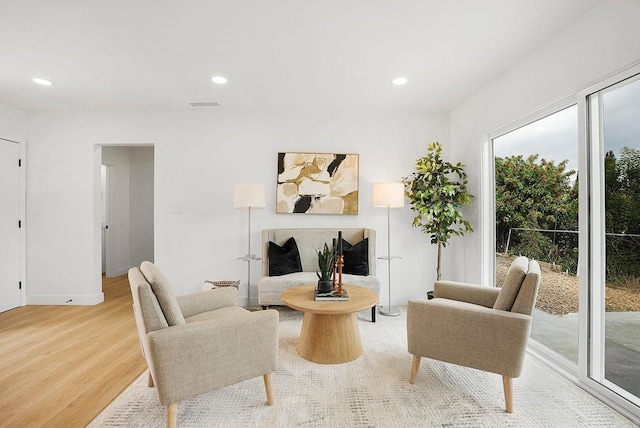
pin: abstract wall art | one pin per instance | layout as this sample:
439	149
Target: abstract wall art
317	183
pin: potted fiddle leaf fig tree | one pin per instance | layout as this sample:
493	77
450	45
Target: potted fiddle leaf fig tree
326	257
437	191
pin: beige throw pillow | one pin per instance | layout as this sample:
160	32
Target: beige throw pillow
164	293
511	286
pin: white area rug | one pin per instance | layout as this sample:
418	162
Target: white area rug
373	391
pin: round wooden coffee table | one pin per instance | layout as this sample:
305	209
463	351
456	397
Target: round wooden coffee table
330	333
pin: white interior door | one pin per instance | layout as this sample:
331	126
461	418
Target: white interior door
9	230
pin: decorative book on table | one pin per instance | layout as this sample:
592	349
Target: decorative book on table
332	295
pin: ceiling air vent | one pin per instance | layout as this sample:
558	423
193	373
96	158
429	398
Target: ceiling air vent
205	104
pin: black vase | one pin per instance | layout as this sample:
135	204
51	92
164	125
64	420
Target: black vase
325	286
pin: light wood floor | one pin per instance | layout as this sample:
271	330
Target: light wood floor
60	366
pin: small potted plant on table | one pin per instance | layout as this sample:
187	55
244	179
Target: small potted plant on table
326	257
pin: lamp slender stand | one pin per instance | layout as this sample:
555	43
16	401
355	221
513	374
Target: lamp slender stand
389	195
389	311
249	258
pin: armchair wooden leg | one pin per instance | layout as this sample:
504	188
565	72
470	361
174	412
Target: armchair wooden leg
373	313
507	383
151	384
172	415
414	368
269	388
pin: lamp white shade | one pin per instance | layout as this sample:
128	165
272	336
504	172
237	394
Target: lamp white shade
388	195
248	196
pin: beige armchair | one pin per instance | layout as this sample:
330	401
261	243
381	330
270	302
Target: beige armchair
485	328
199	342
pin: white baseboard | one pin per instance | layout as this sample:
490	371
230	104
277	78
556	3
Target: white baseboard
56	299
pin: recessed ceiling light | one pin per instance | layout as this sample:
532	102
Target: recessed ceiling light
219	80
43	82
399	81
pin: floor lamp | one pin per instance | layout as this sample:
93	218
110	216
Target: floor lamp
389	195
245	197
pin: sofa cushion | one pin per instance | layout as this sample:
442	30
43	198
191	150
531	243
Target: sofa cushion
515	275
285	259
356	257
164	293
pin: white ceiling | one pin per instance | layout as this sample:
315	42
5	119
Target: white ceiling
160	54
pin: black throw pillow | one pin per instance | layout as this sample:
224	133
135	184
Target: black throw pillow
285	259
356	257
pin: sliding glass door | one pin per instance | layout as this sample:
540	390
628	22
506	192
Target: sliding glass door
566	191
613	267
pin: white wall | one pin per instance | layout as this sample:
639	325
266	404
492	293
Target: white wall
13	124
199	156
603	41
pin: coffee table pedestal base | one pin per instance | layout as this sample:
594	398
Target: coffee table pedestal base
330	339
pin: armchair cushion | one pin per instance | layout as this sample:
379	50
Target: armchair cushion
149	316
204	301
284	260
164	293
356	257
150	309
526	300
229	312
463	292
512	283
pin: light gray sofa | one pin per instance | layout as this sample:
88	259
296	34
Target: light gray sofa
270	288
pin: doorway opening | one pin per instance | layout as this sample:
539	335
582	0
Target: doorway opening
126	210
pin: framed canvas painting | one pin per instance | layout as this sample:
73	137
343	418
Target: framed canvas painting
317	183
